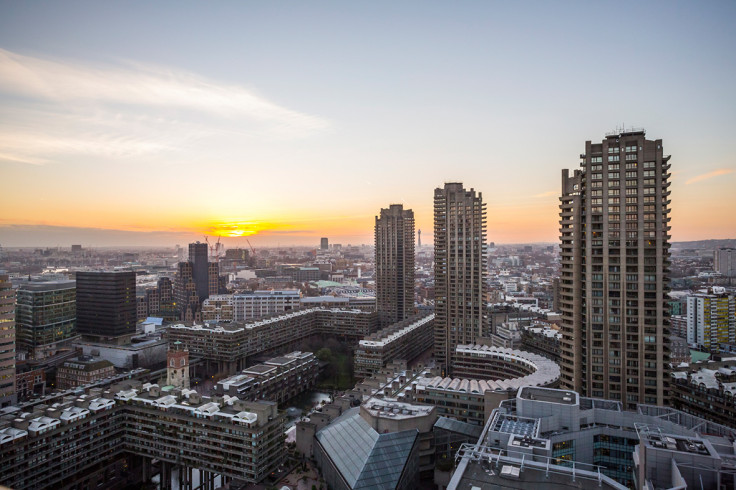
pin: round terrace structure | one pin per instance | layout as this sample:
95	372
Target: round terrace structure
507	368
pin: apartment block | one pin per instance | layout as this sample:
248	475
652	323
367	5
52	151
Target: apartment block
404	340
394	269
460	270
725	261
711	319
226	347
218	308
707	390
277	379
83	434
7	342
614	225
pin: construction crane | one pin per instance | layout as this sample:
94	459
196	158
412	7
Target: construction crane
214	249
252	250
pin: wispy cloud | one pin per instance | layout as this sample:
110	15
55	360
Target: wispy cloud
710	175
547	194
57	108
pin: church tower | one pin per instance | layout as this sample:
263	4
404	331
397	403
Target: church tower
177	365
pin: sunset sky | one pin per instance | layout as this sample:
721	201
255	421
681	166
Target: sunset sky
141	123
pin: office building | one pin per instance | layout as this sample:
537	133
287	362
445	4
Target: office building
548	438
7	342
106	304
614	224
198	256
324	243
725	261
45	317
251	305
459	271
711	319
394	269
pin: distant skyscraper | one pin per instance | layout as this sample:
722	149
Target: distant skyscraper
324	244
200	269
419	238
459	269
7	342
614	221
725	261
106	304
394	233
46	317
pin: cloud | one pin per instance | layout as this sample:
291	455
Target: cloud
547	194
709	175
51	109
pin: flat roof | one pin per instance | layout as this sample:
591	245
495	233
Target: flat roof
562	397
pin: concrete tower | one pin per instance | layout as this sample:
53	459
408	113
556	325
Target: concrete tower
394	233
614	224
459	269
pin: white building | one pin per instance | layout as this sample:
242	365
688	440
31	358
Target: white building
257	304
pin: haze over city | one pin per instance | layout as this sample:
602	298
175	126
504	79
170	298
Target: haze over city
153	124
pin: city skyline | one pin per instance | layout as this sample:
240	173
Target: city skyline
277	125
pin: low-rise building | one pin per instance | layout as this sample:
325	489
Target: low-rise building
251	305
82	371
707	390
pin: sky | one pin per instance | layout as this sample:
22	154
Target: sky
156	123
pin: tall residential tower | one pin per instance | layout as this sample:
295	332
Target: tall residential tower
615	271
459	270
7	342
394	234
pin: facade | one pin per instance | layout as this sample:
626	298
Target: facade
394	266
324	243
82	371
707	390
177	366
199	258
460	269
195	281
140	423
7	342
45	317
106	304
557	439
30	383
614	223
218	308
711	320
404	340
278	379
225	348
258	304
725	261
